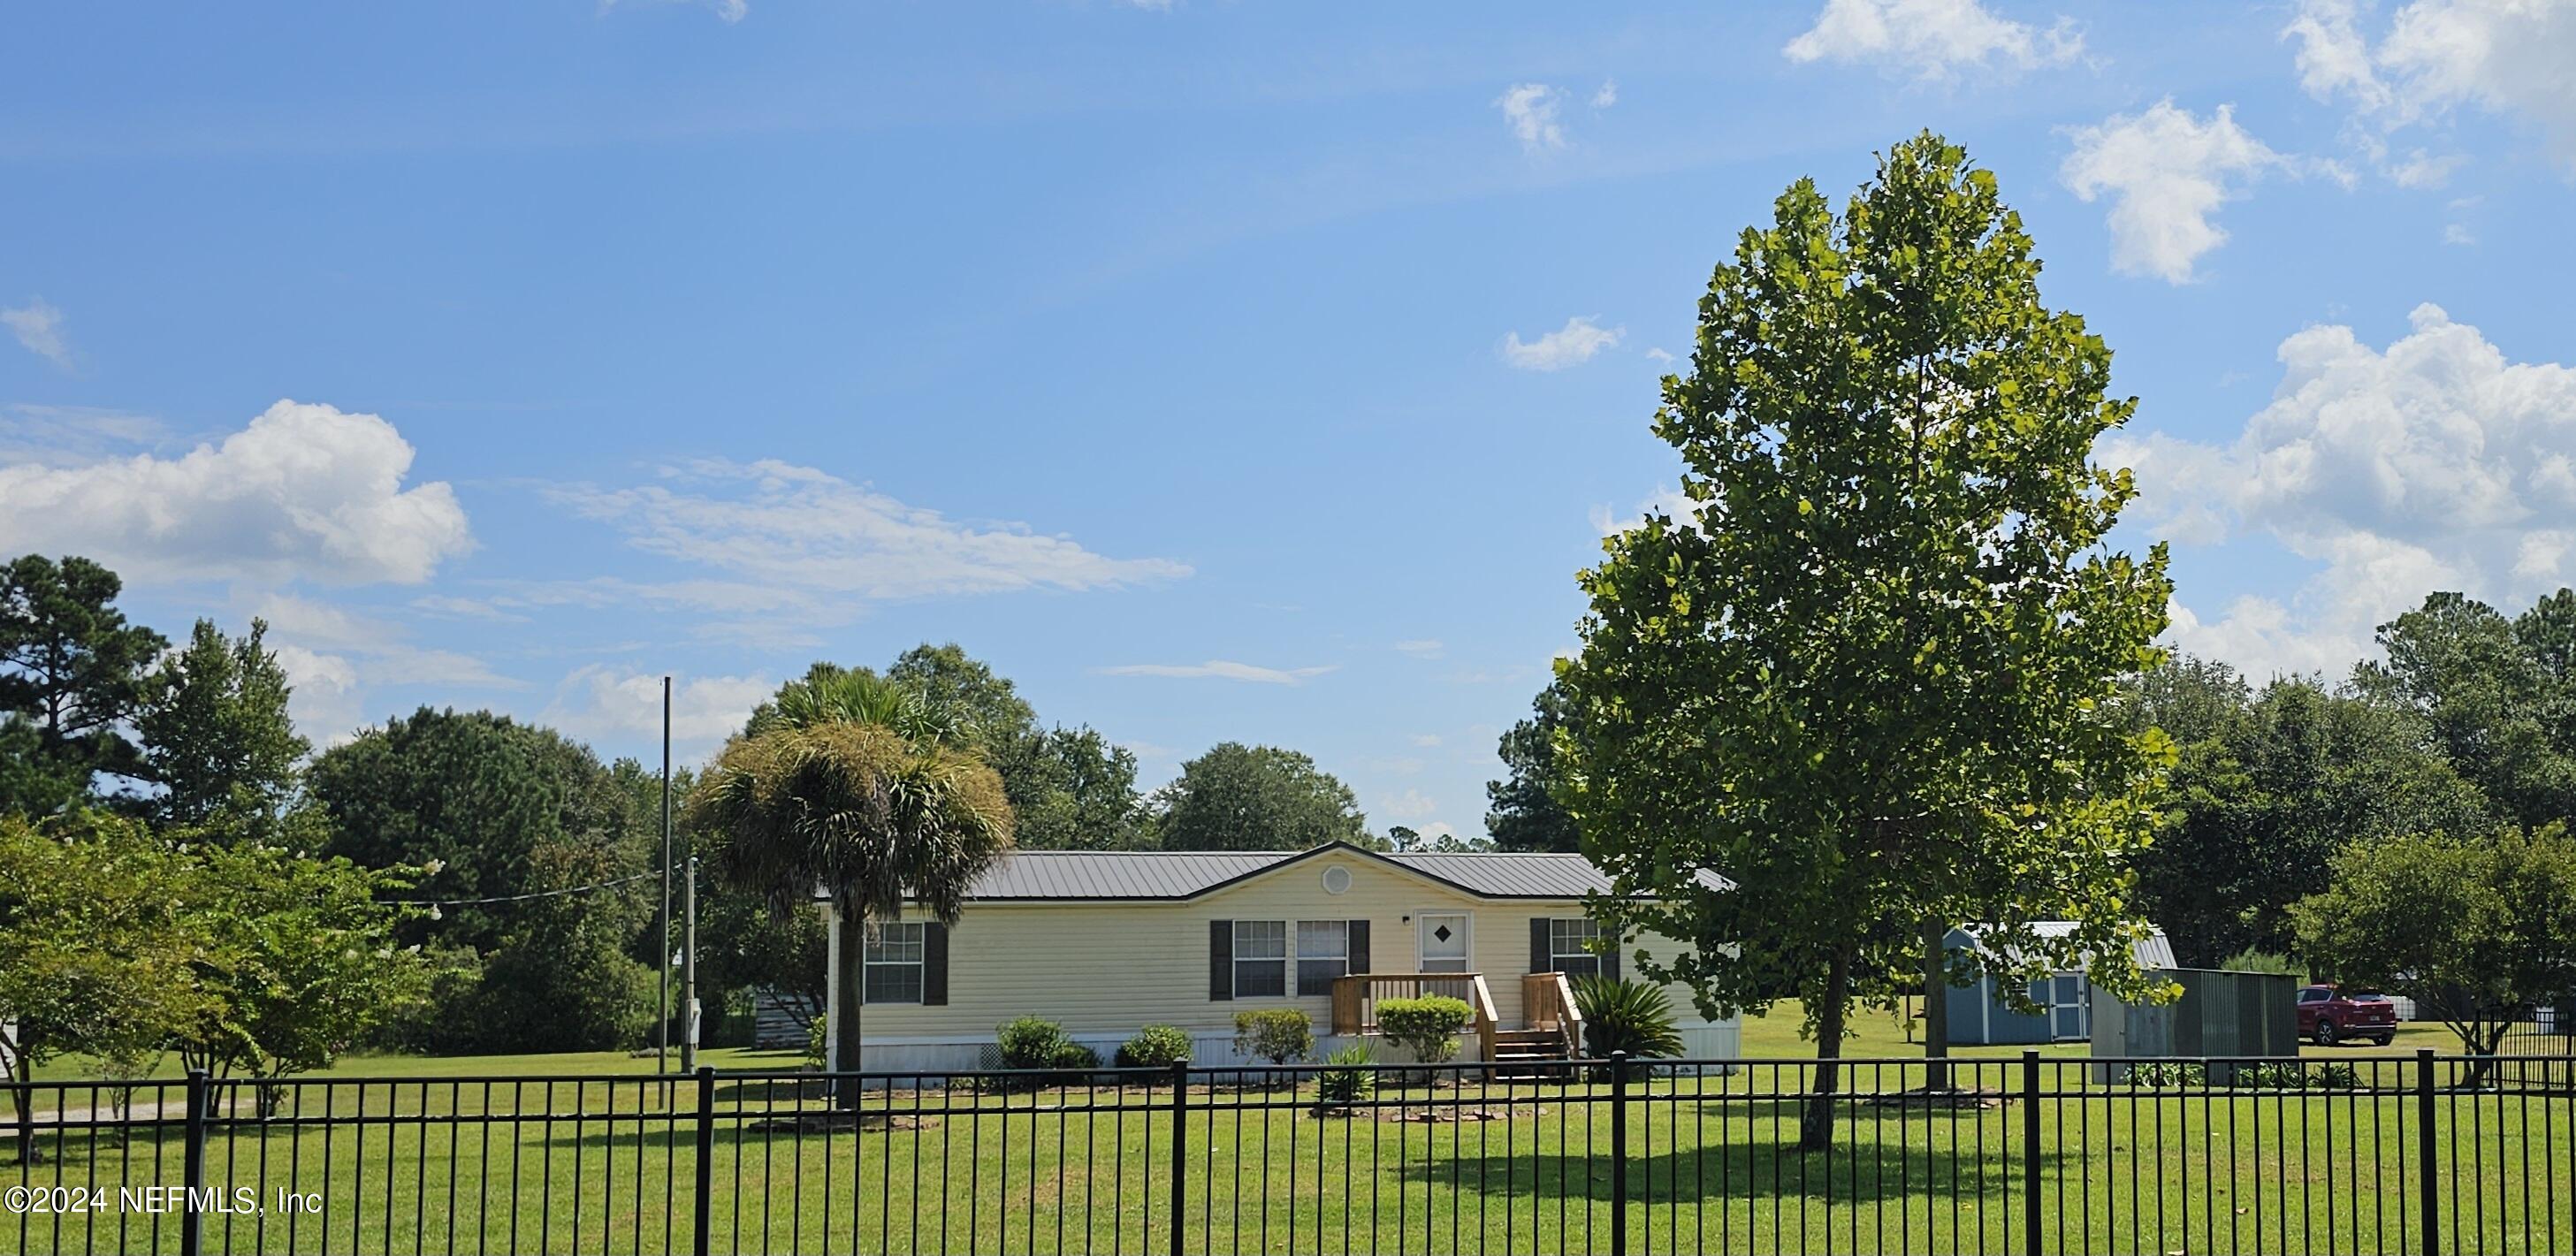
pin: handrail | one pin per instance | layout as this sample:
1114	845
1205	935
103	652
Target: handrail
1570	1023
1488	1020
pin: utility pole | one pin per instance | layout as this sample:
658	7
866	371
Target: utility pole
689	969
662	916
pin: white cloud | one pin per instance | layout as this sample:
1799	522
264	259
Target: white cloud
384	657
1409	805
2459	234
1530	110
62	436
2506	57
2434	464
1426	739
1425	648
1570	345
39	329
1219	669
305	491
2166	172
727	11
467	608
792	536
601	702
1606	95
1933	39
1671	502
323	698
1660	356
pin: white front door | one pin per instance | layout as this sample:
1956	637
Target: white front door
1447	942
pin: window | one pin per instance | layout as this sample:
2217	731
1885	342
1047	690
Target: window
1569	947
1323	953
892	962
1260	958
2312	996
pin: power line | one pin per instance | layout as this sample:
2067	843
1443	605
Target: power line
521	898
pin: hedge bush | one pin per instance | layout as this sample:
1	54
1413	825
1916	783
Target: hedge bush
1279	1034
1428	1026
1155	1046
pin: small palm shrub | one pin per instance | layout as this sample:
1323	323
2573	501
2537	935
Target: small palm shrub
1279	1034
1427	1026
1155	1046
1349	1080
1631	1016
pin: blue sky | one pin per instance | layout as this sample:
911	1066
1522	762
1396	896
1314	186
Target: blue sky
1216	370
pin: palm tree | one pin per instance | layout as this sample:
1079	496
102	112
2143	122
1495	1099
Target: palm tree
851	783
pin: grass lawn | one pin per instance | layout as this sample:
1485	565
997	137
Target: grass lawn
608	1164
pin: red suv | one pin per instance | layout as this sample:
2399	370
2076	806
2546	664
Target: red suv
2329	1016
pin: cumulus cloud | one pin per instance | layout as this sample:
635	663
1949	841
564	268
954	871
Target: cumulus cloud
1931	39
1670	502
2432	464
2166	173
1219	669
305	491
1530	111
783	534
2505	57
39	329
602	702
1570	345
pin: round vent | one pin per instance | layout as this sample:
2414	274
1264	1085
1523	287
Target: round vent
1336	880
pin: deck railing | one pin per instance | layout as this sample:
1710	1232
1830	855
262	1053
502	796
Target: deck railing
1355	1000
1547	1002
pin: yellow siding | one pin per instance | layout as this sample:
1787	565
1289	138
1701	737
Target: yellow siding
1104	968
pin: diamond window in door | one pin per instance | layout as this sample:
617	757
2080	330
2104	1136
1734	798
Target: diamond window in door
1445	943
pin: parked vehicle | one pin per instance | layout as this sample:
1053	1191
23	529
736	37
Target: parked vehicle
2328	1015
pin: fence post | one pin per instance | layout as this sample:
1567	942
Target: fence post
1180	1146
192	1220
2031	1229
2428	1194
704	1236
1618	1153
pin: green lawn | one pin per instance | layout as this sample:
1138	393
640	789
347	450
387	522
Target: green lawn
602	1165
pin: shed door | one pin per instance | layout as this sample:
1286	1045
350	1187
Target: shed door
2066	999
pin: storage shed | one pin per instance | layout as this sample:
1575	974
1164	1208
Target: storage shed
2221	1013
1980	1016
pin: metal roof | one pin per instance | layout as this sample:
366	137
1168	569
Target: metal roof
1076	875
2152	951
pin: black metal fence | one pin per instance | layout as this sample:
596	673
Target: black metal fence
2055	1154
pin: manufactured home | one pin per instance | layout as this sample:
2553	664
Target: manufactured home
1105	943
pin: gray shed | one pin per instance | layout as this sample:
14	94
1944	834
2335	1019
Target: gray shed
2221	1013
1979	1015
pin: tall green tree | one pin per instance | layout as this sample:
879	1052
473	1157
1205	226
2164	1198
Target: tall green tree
72	675
215	731
98	951
1866	678
1522	811
1239	797
2477	929
506	811
2267	789
2499	713
299	964
853	783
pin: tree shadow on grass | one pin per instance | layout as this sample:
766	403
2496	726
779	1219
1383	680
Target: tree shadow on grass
1760	1169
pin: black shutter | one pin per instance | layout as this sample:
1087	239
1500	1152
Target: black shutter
1610	958
1359	947
1542	957
1221	960
934	964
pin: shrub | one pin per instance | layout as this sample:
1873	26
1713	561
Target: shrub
1427	1026
1155	1046
1074	1059
2250	960
1279	1035
818	1039
1631	1016
1349	1079
1031	1042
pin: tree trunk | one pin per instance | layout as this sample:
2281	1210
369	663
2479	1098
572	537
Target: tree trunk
848	952
22	1088
1816	1121
1936	1006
